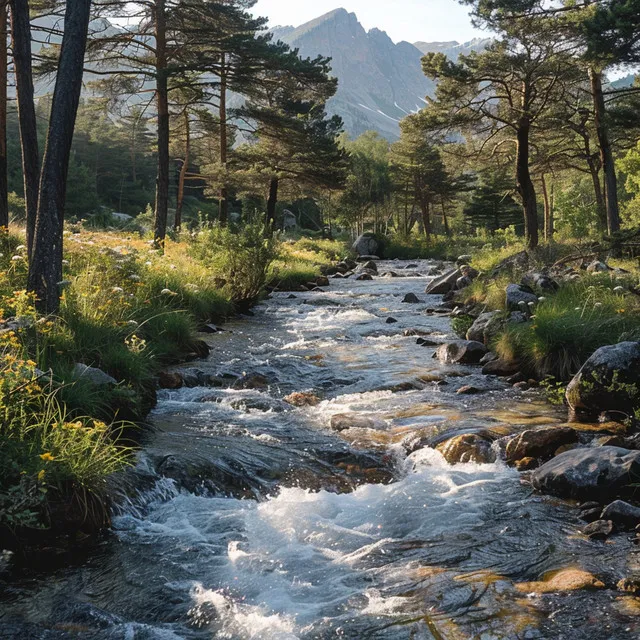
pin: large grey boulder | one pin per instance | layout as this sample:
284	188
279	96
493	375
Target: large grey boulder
608	381
518	294
600	473
93	375
540	281
485	327
368	245
444	283
461	352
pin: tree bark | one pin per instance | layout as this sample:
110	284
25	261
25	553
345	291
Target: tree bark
183	172
4	186
525	185
271	205
445	220
223	204
608	163
162	100
548	210
22	63
45	268
426	218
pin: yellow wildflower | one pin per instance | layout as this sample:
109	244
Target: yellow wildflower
41	475
47	457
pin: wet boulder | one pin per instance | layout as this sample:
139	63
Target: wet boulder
411	298
601	473
461	352
538	443
518	294
469	274
501	368
344	421
369	267
364	276
302	399
469	447
598	530
369	245
444	283
168	380
622	514
322	281
608	381
252	381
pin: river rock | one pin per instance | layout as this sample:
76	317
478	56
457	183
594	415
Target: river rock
500	368
517	294
462	260
391	320
517	317
93	375
469	390
622	514
322	281
538	443
469	447
563	580
411	298
252	381
365	276
608	381
444	283
598	530
302	399
369	267
168	380
601	473
461	352
526	464
368	245
485	327
344	421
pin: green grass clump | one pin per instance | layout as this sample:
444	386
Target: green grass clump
569	326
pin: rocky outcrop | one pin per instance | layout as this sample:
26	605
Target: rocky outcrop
461	352
608	381
601	473
539	443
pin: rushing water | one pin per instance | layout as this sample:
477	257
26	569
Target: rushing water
253	520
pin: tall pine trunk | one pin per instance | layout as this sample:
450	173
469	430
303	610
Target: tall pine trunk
426	217
22	64
608	163
4	186
525	184
548	210
224	194
183	172
162	100
445	220
270	221
45	268
601	205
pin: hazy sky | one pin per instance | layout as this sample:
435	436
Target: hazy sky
412	20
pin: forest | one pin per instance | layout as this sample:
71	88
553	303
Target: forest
168	167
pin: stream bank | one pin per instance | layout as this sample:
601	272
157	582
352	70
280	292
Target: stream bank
255	519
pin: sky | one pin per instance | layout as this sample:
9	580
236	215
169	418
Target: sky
411	20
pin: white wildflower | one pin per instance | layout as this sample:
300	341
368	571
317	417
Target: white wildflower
168	292
134	278
16	258
117	290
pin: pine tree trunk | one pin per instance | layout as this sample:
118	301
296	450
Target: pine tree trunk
548	213
270	222
426	218
45	268
224	195
601	205
4	186
183	172
445	220
22	63
608	163
525	185
162	99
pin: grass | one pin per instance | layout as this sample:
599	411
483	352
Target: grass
570	325
128	310
303	261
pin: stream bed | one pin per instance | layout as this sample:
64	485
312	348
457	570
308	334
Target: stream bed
247	518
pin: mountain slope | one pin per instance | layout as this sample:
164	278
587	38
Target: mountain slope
380	82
